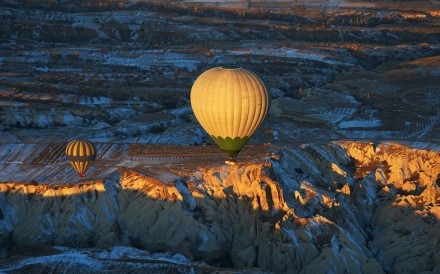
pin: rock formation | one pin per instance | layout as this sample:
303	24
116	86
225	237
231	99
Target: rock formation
332	208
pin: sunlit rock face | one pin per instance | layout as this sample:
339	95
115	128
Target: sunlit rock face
405	224
332	208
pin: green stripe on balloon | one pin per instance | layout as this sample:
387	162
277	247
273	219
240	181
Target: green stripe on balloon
229	145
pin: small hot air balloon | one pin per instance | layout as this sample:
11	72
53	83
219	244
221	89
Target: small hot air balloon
230	104
80	154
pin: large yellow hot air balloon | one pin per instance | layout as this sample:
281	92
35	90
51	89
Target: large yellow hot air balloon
230	104
80	154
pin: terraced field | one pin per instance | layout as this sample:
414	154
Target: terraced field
124	75
46	163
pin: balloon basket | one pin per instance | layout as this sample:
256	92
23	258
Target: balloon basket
230	162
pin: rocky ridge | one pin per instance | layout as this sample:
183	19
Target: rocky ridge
343	206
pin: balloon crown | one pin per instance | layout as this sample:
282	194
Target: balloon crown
230	67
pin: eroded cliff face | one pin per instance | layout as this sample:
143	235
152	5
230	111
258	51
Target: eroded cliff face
405	224
340	207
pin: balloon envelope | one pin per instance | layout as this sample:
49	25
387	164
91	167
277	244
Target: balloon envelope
230	104
80	154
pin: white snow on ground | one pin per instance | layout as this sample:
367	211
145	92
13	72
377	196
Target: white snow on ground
148	59
26	59
44	120
190	65
72	258
89	25
360	123
329	117
126	252
121	113
47	69
101	259
69	119
189	200
86	25
288	53
95	100
281	52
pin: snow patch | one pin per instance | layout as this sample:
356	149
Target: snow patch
121	113
188	199
69	119
95	100
44	121
360	123
127	252
75	258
